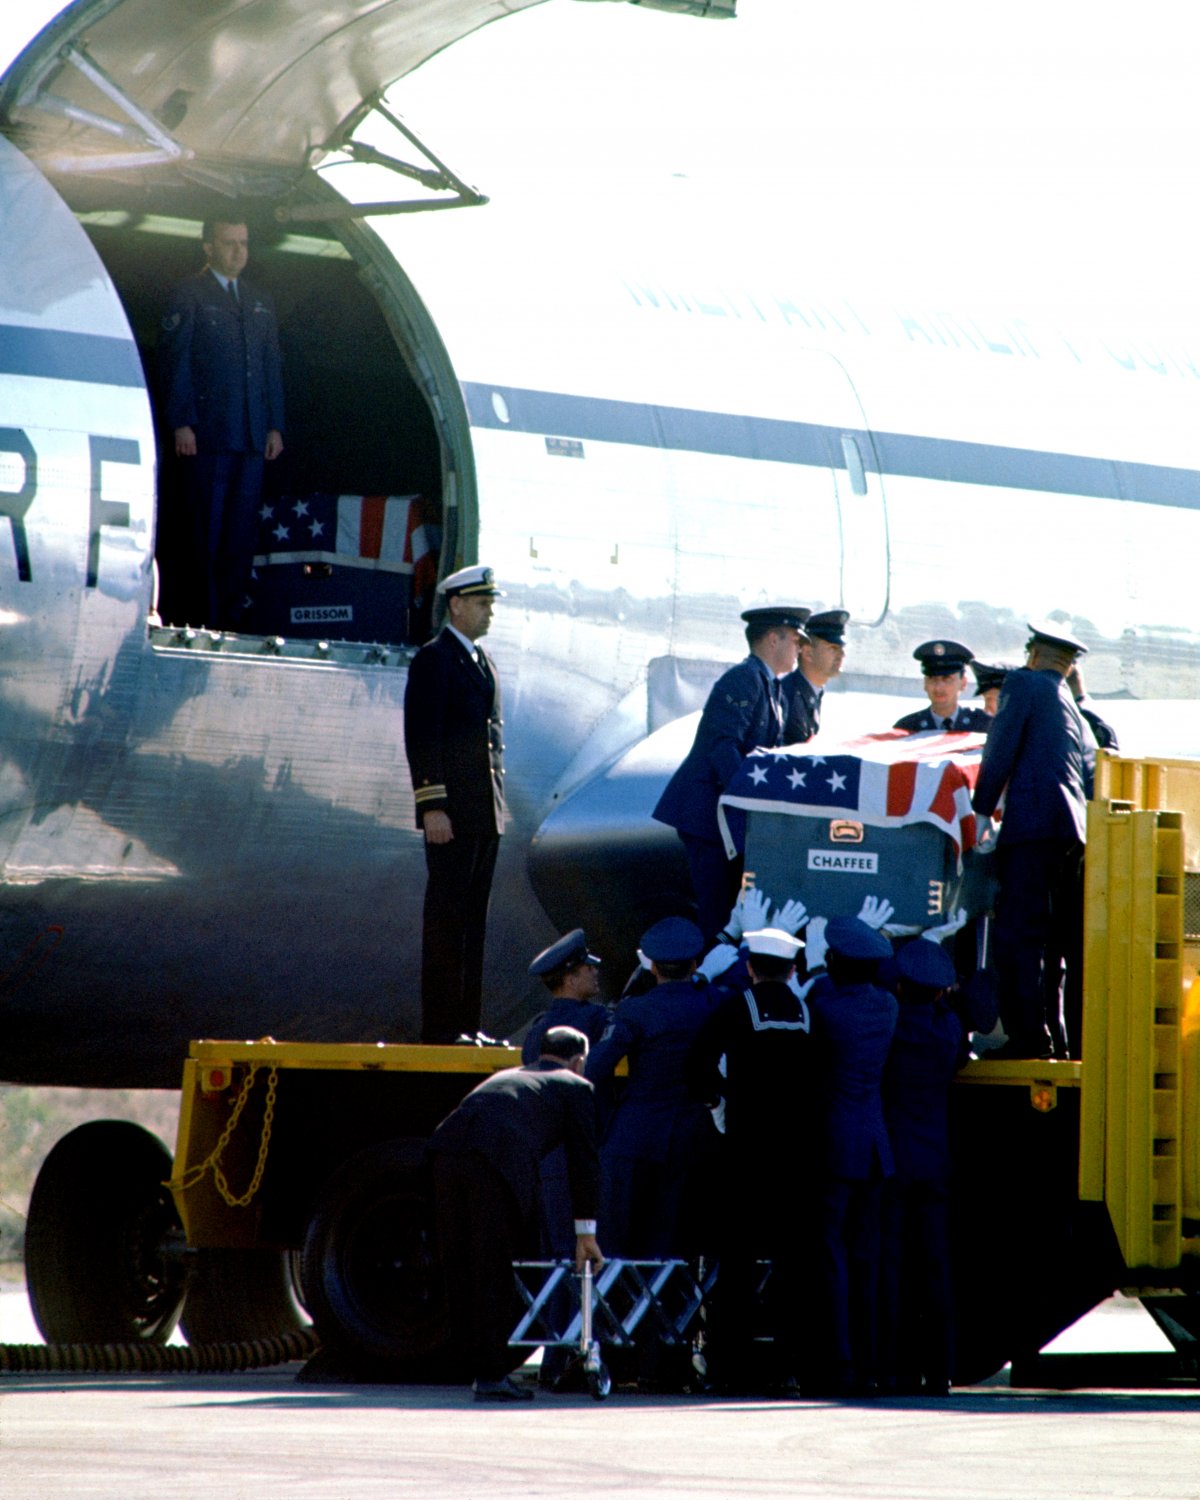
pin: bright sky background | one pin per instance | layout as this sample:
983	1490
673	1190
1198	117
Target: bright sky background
1031	152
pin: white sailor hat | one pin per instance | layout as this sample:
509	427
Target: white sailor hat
1055	635
473	580
772	942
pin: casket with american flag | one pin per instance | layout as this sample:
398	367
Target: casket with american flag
885	815
346	567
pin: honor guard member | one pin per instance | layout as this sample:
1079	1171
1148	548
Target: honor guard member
852	1025
571	974
754	1051
822	653
1105	736
223	395
658	1140
944	672
452	736
1039	755
928	1048
988	681
745	710
485	1159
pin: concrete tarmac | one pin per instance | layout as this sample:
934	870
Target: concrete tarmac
260	1436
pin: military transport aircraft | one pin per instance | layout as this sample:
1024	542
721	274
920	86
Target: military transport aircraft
208	832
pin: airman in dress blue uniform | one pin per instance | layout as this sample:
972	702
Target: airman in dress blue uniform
822	653
944	672
223	388
656	1144
745	710
1039	756
928	1048
989	679
853	1022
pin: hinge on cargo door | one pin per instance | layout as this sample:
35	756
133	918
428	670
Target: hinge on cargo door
150	140
436	177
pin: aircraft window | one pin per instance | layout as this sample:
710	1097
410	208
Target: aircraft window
854	464
500	407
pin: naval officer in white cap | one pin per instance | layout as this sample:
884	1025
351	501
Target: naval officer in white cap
454	742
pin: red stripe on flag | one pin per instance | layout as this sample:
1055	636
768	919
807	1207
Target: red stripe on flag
370	526
901	784
942	805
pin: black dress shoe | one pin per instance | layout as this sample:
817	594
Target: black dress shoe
501	1390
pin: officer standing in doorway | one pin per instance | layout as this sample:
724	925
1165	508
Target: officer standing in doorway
944	672
745	710
223	387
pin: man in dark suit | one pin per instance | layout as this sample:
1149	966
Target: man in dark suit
223	388
944	672
745	710
822	653
453	739
485	1158
1039	756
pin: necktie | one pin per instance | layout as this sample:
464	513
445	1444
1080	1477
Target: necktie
233	293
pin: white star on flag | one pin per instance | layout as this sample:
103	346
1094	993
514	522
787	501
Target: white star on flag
301	507
836	782
796	778
281	533
758	775
266	513
317	528
817	760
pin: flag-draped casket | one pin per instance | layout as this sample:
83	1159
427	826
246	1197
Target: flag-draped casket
345	567
885	815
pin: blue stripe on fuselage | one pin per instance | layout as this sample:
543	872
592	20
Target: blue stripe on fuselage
52	354
945	459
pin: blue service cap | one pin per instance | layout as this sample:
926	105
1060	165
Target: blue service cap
852	938
1055	635
927	964
672	941
943	658
772	615
473	580
989	675
829	625
567	953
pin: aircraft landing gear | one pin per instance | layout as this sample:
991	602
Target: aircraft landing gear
100	1221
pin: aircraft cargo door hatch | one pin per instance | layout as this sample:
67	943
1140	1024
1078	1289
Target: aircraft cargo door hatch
829	409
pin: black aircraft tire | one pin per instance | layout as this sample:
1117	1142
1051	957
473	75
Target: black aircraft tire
370	1267
99	1216
238	1295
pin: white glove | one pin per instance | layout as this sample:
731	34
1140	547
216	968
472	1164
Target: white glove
720	957
815	946
749	913
939	934
875	911
644	961
718	1115
791	916
986	834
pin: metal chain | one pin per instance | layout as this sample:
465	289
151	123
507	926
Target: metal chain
212	1162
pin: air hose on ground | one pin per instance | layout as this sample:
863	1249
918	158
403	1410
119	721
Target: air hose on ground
175	1359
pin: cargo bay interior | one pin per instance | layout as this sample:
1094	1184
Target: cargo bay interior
352	521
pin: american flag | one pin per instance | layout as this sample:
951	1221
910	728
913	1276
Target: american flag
392	533
886	780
